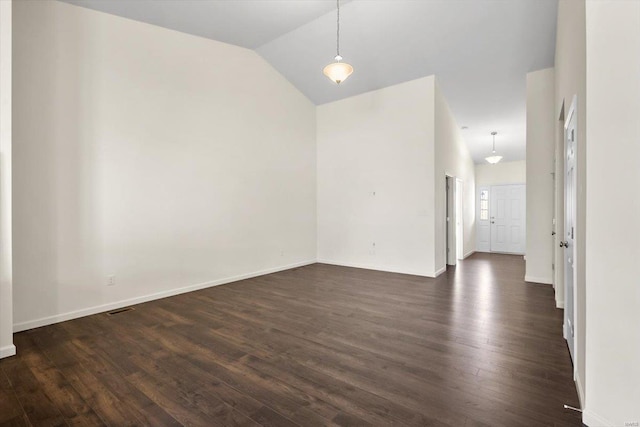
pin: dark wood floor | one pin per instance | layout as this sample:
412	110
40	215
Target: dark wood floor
318	345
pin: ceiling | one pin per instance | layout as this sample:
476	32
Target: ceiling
480	50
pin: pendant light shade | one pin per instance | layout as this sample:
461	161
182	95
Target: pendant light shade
338	71
493	159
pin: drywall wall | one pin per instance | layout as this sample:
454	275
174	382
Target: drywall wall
6	307
376	179
570	76
451	158
382	161
501	173
612	226
169	161
540	169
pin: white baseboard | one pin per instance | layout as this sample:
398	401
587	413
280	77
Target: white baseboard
440	271
594	420
7	350
468	254
44	321
543	280
375	267
580	389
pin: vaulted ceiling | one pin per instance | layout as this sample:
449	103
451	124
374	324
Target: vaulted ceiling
480	50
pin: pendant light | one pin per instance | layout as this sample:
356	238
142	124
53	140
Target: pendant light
338	71
493	159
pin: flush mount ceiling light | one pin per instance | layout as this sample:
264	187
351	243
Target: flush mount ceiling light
493	159
338	71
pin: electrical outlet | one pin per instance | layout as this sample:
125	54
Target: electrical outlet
281	253
111	280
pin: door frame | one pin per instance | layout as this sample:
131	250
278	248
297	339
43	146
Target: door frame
558	213
459	192
450	220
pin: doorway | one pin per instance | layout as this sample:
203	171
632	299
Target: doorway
450	221
501	219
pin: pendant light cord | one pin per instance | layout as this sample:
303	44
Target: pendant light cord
337	71
338	30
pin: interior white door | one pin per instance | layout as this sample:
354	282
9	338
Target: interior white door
507	215
569	236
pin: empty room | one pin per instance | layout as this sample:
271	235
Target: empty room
319	212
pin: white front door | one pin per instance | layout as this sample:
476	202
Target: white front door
569	230
507	218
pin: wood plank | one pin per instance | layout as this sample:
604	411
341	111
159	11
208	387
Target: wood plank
10	409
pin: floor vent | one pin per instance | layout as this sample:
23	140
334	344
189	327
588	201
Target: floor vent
121	310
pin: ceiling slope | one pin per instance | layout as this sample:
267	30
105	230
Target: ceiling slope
480	51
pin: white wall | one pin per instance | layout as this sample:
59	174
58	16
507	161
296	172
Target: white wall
376	177
451	158
167	160
613	210
541	128
570	76
501	173
382	159
6	307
